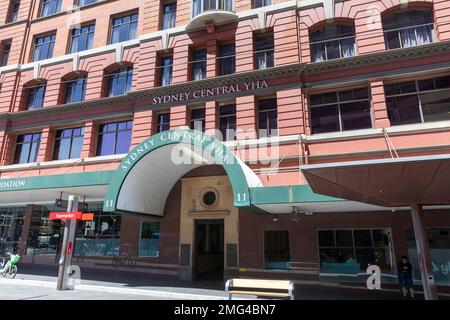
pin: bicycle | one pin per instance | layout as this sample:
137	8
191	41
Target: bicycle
9	268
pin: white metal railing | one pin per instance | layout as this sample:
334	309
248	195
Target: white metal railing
201	6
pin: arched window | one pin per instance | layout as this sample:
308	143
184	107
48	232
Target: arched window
34	95
408	28
120	81
75	89
332	41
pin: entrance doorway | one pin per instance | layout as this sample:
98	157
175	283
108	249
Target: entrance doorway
209	250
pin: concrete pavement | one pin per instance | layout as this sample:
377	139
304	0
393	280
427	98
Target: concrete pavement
119	283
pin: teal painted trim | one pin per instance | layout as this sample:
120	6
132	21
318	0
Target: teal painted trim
207	143
57	181
287	194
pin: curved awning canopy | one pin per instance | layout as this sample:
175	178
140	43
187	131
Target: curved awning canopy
385	182
144	178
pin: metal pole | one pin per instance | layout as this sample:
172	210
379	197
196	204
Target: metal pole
423	253
69	235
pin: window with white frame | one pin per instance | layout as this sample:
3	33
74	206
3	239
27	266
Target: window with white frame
418	101
332	41
408	28
340	111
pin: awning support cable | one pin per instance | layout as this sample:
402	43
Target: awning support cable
390	145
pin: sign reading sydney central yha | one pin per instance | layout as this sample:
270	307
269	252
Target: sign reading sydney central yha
211	92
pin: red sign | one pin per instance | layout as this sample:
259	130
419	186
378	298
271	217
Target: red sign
69	248
65	215
87	217
71	216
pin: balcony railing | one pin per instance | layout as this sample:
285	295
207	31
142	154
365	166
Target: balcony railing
201	6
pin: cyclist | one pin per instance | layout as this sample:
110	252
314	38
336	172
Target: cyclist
13	259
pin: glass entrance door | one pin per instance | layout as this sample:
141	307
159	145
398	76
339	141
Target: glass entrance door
209	250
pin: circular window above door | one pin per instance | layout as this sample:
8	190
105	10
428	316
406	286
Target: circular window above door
209	198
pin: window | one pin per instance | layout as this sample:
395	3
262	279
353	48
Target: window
200	6
408	28
76	90
120	82
169	15
198	64
340	111
227	121
27	148
264	52
43	47
227	59
35	98
100	237
198	119
50	7
82	3
267	118
13	11
332	42
350	251
276	249
6	48
124	28
68	143
163	122
165	70
261	3
114	138
418	101
44	236
149	239
82	38
12	224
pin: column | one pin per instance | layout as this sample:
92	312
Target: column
379	108
45	147
146	67
244	50
90	136
143	126
290	112
178	117
180	64
211	116
286	38
423	253
8	151
246	117
211	58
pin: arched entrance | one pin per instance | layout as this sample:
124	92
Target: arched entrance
209	205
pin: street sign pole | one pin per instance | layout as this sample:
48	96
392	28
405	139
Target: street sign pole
67	245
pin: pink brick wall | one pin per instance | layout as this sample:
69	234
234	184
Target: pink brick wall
144	125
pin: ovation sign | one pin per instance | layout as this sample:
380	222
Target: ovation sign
210	92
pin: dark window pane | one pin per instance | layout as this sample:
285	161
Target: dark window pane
363	238
436	105
403	110
344	238
356	115
276	249
324	119
326	238
149	239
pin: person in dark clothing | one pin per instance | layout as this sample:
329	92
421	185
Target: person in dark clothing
404	269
